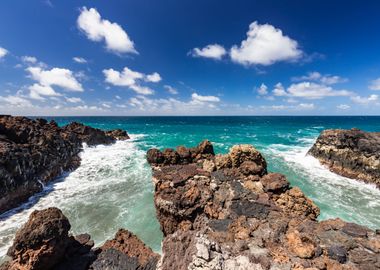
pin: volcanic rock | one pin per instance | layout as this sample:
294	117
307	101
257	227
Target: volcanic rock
351	153
33	152
227	212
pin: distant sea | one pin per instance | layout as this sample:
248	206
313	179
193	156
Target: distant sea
112	188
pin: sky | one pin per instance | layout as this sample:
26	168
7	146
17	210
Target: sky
189	57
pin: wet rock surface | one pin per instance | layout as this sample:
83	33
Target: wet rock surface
228	212
44	243
351	153
33	152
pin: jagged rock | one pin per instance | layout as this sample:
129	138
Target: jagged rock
351	153
33	152
127	243
41	243
233	216
181	155
118	134
44	243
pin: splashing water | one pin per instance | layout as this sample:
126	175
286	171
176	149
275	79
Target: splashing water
111	189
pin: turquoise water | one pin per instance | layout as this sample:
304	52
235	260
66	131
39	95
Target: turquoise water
112	188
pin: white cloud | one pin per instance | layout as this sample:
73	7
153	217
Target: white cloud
279	90
312	90
3	52
154	77
198	98
262	90
171	89
16	101
117	97
74	99
214	51
375	84
37	91
131	79
57	76
365	100
79	60
98	29
324	79
265	45
29	59
343	107
299	107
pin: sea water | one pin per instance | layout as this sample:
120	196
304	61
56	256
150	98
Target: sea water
112	188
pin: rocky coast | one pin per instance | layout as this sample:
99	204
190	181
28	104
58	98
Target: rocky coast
34	152
351	153
216	212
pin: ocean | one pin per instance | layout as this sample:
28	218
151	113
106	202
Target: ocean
112	188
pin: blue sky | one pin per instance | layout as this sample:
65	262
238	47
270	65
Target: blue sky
196	57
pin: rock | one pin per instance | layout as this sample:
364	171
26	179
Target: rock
245	152
275	182
351	153
118	134
338	253
235	216
34	152
128	244
41	243
44	243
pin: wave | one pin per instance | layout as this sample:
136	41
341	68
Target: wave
337	196
111	189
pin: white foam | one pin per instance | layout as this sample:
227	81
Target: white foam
336	195
112	184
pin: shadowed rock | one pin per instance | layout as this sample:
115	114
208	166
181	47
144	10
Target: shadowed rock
350	153
33	152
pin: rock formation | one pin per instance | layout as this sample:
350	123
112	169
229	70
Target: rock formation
228	212
33	152
350	153
216	212
44	243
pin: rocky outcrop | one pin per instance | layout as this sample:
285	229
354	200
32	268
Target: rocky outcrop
93	136
228	212
33	152
350	153
44	243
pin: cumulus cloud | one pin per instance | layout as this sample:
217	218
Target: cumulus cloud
324	79
375	84
38	91
79	60
265	45
214	51
279	90
262	90
154	77
365	100
343	107
299	107
312	90
56	76
97	29
16	101
171	89
74	99
199	98
29	59
3	52
131	79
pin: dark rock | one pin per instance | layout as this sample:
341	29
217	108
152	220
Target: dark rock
114	260
355	230
338	253
250	209
351	153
